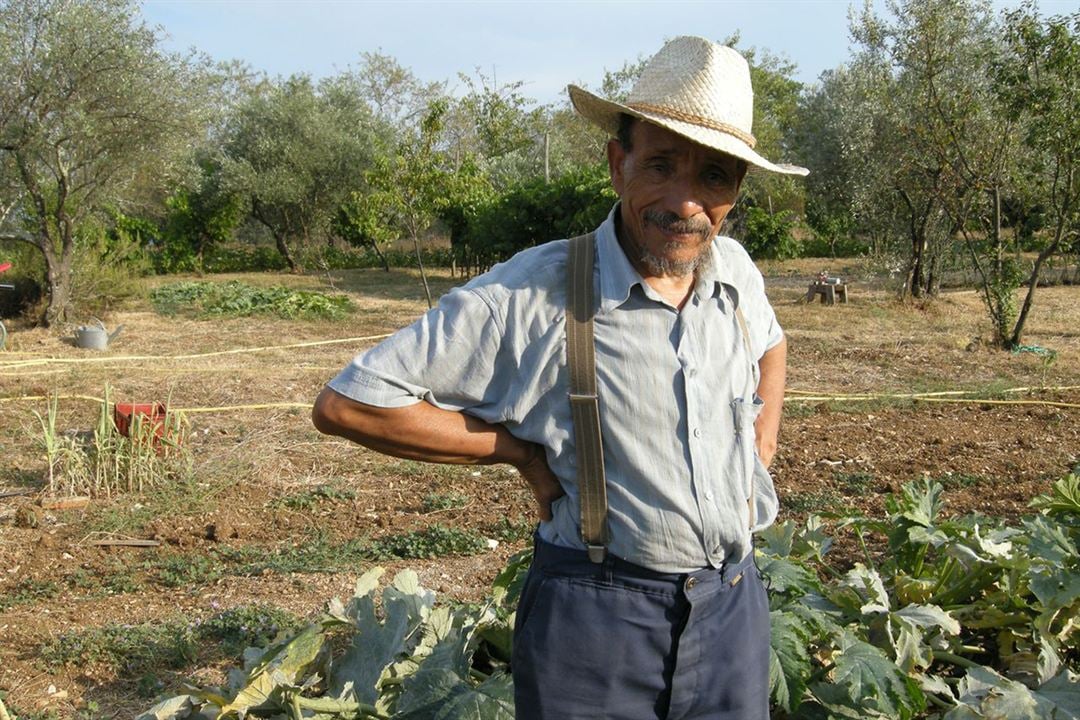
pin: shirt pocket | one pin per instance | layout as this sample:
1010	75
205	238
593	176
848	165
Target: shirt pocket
745	412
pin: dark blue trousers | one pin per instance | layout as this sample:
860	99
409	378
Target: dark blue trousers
616	640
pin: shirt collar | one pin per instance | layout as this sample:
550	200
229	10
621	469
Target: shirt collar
618	277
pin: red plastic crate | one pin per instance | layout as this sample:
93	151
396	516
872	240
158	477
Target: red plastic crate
153	413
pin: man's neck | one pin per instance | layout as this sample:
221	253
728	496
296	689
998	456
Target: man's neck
675	289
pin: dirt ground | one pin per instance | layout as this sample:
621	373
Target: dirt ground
264	481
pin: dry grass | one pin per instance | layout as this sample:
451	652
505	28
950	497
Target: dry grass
247	458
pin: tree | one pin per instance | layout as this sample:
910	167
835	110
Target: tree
1037	82
295	151
89	102
404	186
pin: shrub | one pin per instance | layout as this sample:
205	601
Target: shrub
769	235
237	299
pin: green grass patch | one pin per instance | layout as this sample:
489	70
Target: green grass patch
815	502
239	299
181	497
135	650
436	501
855	483
309	499
185	570
115	580
146	654
28	591
957	481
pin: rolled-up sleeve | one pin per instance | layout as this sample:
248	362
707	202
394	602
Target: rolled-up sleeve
447	358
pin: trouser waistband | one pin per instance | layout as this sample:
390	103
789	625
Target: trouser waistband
559	560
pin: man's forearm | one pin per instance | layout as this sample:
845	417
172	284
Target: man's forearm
419	432
425	432
773	365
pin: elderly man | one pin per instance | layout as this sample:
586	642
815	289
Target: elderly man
635	378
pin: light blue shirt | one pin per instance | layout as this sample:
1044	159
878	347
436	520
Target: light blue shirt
676	389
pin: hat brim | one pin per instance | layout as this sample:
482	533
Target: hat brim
605	115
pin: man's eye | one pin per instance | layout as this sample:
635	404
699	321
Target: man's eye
717	177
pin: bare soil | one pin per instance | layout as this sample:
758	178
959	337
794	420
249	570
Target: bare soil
254	449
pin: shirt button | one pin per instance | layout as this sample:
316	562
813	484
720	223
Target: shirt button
697	432
691	582
708	496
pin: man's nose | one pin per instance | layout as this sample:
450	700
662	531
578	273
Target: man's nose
682	197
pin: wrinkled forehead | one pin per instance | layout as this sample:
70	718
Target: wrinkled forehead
650	139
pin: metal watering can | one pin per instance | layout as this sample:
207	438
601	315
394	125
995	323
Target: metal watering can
95	338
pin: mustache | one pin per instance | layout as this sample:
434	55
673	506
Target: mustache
670	222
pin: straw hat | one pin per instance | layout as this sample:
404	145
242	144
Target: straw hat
693	87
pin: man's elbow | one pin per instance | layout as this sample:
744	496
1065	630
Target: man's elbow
328	413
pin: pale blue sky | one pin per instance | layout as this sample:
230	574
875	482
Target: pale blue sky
545	44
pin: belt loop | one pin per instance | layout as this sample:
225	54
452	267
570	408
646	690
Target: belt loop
606	566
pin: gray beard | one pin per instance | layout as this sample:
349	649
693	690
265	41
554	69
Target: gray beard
665	267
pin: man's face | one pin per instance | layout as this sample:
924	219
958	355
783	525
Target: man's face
675	195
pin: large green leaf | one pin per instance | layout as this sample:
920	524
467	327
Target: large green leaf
1064	498
1064	692
789	660
375	645
442	694
786	577
868	585
865	680
993	697
1049	541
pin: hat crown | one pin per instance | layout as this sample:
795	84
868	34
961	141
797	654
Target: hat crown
692	75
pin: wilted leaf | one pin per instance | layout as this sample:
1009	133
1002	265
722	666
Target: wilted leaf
175	708
285	664
995	698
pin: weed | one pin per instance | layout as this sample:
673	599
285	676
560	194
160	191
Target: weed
431	542
308	499
108	463
27	591
811	501
433	502
133	649
956	481
184	496
855	483
116	580
178	570
507	530
247	625
237	299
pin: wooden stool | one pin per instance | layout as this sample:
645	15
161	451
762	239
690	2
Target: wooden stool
829	292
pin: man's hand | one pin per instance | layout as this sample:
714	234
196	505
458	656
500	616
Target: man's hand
770	388
545	487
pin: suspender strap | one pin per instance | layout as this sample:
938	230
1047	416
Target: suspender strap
584	403
754	372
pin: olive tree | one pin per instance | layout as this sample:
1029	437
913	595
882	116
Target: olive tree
89	104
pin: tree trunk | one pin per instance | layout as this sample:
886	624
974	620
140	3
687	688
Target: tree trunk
283	248
59	280
423	273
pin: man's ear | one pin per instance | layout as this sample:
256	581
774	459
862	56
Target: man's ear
616	154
